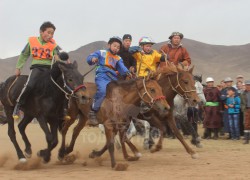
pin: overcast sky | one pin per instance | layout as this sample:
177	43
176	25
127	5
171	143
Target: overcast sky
79	22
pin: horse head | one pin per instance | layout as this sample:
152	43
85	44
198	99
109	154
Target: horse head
187	86
182	82
151	93
73	82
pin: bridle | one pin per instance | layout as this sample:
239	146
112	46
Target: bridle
152	100
184	94
71	92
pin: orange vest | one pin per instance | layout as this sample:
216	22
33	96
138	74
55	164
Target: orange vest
40	51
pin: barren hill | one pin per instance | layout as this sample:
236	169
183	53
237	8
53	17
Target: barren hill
210	60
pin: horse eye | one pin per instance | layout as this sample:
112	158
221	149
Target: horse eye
152	90
185	81
70	80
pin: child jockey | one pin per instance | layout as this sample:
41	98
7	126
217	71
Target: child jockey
42	49
108	63
146	57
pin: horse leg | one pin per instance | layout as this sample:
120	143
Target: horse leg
12	134
66	125
45	153
190	128
110	144
176	132
95	153
158	124
22	126
81	123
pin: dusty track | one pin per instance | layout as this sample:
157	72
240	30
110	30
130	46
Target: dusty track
221	159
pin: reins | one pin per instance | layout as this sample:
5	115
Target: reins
152	100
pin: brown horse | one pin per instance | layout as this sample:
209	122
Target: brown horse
120	103
173	81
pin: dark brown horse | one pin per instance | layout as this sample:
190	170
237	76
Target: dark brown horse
44	103
122	100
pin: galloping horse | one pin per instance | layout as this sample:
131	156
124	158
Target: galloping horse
173	81
122	100
183	113
44	103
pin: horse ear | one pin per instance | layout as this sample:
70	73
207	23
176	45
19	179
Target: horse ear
191	69
75	65
61	67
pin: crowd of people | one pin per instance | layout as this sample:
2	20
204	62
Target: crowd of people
227	109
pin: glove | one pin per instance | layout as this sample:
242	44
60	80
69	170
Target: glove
134	49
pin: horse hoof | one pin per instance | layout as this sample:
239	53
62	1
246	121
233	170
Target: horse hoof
121	167
60	158
22	160
195	156
92	155
199	145
39	154
138	154
132	158
27	155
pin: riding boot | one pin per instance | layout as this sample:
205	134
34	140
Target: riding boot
92	118
216	134
21	101
247	137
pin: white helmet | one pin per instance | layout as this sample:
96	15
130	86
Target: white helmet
146	40
209	79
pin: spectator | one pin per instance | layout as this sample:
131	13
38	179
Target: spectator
233	108
228	83
213	119
245	107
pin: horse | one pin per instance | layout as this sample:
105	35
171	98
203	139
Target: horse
182	112
186	115
45	103
173	81
121	102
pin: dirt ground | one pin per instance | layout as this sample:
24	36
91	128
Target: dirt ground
218	159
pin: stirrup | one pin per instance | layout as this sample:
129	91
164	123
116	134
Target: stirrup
66	117
92	118
16	111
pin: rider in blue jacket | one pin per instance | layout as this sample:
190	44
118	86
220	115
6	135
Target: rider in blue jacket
109	64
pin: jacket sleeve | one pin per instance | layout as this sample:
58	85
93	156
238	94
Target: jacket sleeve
134	49
121	68
237	103
96	54
186	56
23	56
242	102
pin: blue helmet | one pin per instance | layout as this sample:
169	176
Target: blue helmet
115	39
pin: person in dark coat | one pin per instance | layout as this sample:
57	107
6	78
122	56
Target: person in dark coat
245	107
213	118
127	57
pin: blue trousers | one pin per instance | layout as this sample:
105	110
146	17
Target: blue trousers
101	81
226	122
234	125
